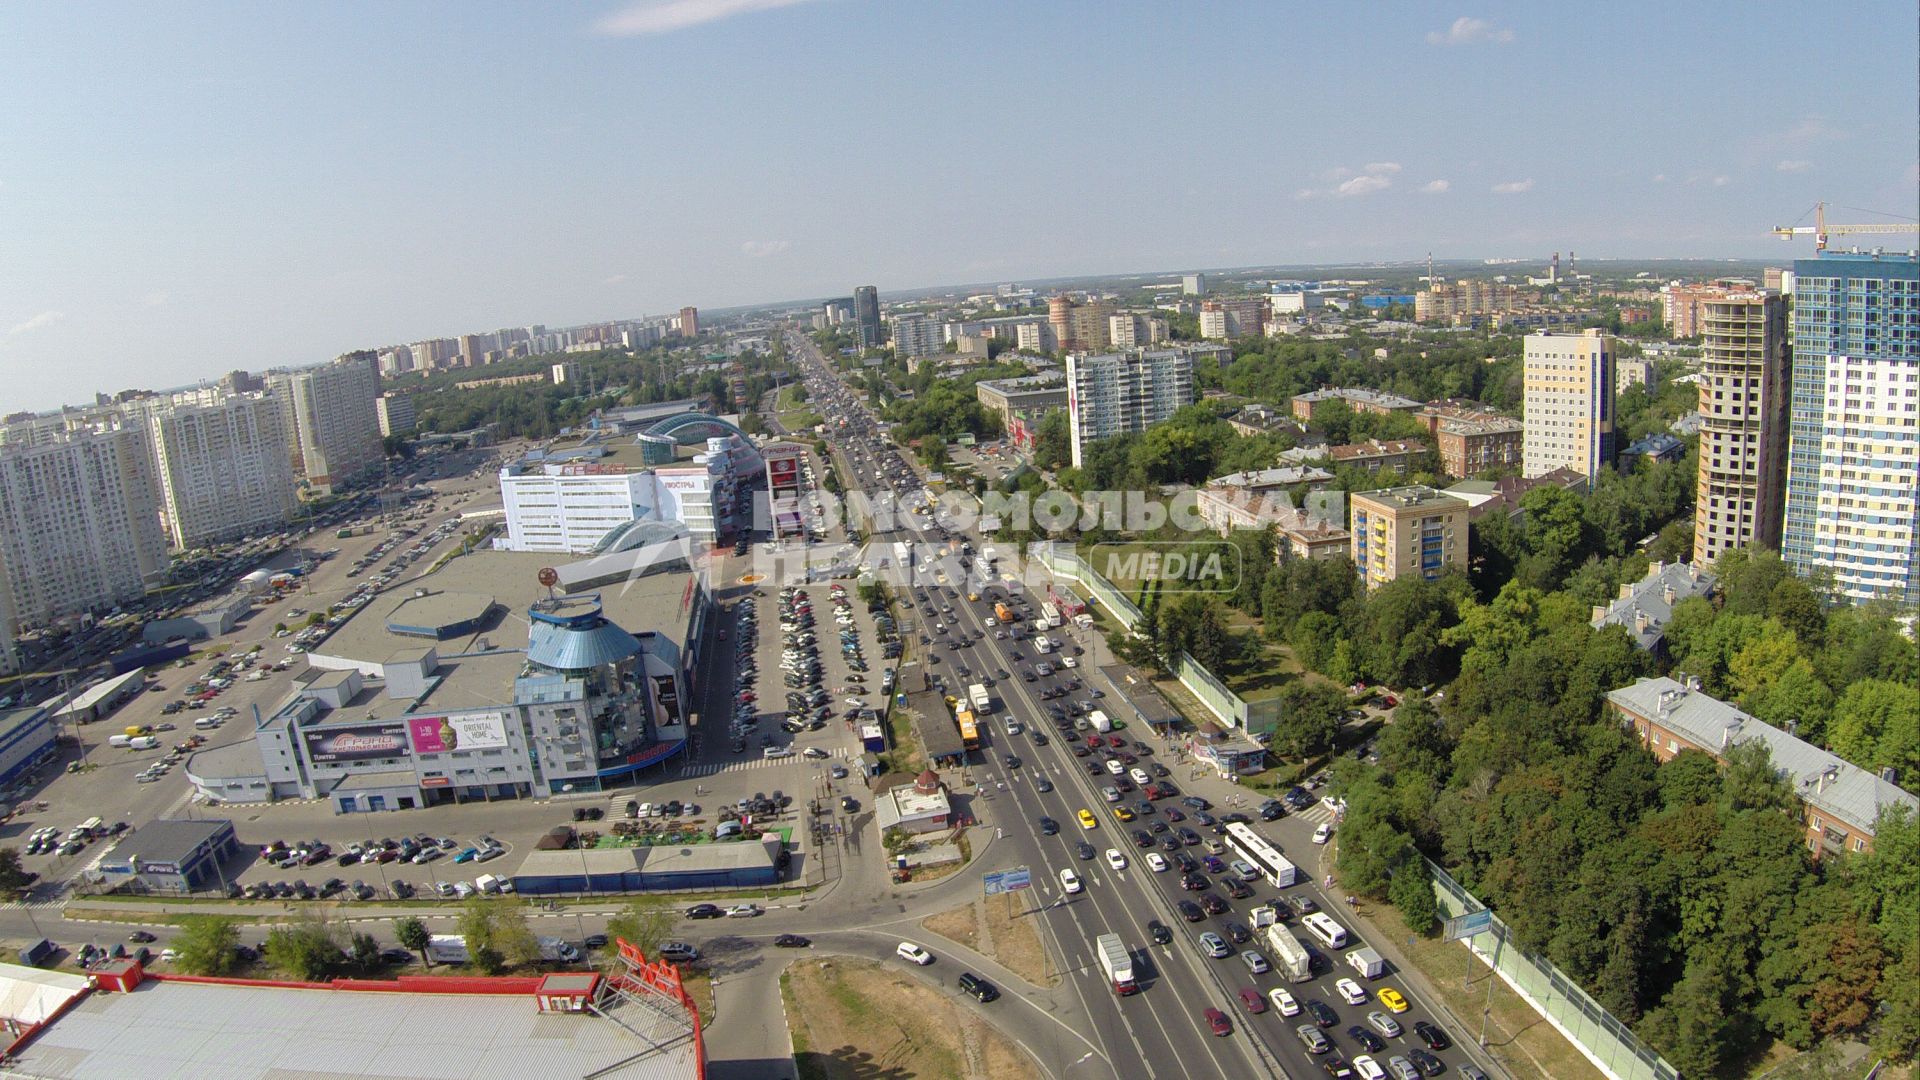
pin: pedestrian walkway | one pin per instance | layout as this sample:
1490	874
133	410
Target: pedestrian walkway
54	904
746	763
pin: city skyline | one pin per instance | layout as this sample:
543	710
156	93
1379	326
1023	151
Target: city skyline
183	197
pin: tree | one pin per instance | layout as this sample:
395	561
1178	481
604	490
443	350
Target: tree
1798	701
13	877
413	934
207	945
1309	717
1876	723
1412	893
644	923
365	953
308	950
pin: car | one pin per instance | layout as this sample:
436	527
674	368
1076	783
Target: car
1213	904
978	988
1425	1062
1048	826
705	911
1192	882
1042	784
1115	859
1366	1068
1402	1068
1256	963
1087	820
1158	931
1123	813
1157	862
1215	946
1069	881
1431	1035
1238	933
1315	1040
466	856
1351	992
1384	1024
1322	1013
1323	834
912	953
1083	849
1189	910
1336	1067
1368	1041
1392	999
745	911
1217	1020
140	937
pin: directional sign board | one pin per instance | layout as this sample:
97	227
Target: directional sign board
1466	926
1004	881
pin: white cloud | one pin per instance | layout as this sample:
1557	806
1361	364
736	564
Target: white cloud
613	279
1659	178
1514	187
1722	181
1379	168
667	16
1363	185
1794	166
1305	193
760	249
38	322
1436	187
1466	31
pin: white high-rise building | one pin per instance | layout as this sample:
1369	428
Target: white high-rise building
396	413
332	423
1568	396
79	530
224	470
1117	393
916	335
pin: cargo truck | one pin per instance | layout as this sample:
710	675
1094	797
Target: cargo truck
1290	958
1004	614
1050	614
977	693
447	949
1100	720
1366	963
1117	962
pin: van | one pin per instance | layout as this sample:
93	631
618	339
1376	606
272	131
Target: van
119	741
144	742
206	723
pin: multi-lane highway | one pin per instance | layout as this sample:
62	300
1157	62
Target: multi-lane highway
1159	1032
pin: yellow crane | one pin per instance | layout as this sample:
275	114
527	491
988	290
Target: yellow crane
1820	230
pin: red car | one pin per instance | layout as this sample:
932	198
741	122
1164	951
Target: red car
1218	1021
1252	1000
1093	741
1116	741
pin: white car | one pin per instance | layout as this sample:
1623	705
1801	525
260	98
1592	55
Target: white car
1069	881
1368	1069
169	954
1157	862
1351	991
1283	1002
1322	834
912	953
1116	859
745	911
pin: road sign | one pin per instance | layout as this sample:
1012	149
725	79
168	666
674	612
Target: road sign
1466	926
1005	881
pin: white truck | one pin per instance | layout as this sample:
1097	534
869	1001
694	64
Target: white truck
1100	720
447	949
1366	963
1290	958
977	693
1117	962
1050	614
903	555
1043	643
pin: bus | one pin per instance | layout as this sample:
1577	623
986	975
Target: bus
1330	933
969	731
1265	858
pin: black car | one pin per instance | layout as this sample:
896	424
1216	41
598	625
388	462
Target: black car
1213	904
1238	889
1158	931
1188	836
1431	1035
1425	1062
1142	838
1189	910
1368	1041
1238	933
978	988
1040	738
1322	1014
1185	862
1197	803
706	911
1203	817
1083	849
1192	882
792	941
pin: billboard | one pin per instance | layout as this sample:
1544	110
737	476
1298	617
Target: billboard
667	694
1467	925
360	742
445	734
1006	881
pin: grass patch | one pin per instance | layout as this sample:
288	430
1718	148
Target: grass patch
804	1059
698	983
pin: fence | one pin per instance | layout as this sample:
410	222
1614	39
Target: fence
1592	1030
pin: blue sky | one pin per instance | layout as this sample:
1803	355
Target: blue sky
189	189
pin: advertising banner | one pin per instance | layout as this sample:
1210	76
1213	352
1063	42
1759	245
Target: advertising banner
445	734
668	697
362	742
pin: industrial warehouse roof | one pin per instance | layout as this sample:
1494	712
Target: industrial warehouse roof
704	858
29	995
176	1030
166	841
94	695
438	614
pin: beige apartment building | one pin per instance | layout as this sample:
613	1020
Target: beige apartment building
1740	493
1406	532
1568	395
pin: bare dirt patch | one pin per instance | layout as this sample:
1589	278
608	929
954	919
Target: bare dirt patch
853	1019
1011	922
961	924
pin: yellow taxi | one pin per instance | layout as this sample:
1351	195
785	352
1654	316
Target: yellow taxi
1086	819
1392	1000
1123	813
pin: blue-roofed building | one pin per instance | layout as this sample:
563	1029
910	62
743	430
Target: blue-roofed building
1853	456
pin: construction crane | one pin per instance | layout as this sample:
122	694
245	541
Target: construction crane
1820	230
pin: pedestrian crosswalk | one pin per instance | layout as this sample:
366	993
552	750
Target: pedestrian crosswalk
708	768
54	904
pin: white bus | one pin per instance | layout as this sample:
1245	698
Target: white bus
1330	933
1265	858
